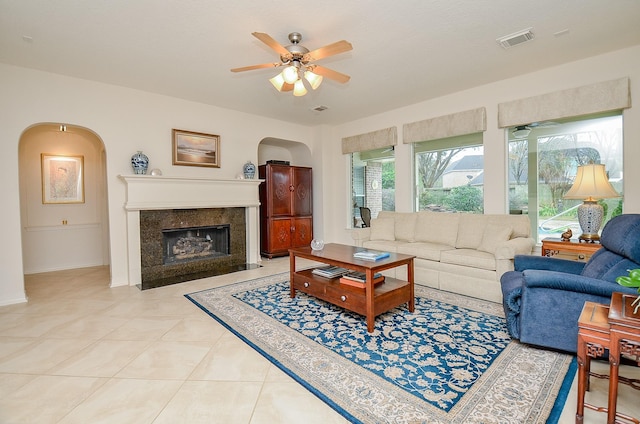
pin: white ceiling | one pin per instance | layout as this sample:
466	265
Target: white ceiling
403	52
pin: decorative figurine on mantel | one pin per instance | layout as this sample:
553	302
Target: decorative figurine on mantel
566	236
140	163
249	170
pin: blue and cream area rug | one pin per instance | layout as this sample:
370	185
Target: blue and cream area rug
451	361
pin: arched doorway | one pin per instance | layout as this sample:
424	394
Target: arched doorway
286	150
62	228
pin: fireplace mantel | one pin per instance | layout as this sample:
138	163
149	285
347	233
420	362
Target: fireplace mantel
146	192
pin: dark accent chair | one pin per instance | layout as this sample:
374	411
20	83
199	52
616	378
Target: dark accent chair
365	214
543	297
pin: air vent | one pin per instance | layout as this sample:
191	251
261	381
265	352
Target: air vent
319	108
516	38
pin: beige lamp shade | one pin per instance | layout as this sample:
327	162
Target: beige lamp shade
591	183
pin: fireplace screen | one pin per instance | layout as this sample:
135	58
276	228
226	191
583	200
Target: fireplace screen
196	243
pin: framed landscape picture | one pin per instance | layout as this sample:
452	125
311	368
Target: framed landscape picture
196	149
62	178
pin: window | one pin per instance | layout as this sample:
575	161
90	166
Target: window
449	174
373	182
542	167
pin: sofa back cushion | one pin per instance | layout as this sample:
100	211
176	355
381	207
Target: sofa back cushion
405	226
470	231
493	236
382	229
437	227
472	227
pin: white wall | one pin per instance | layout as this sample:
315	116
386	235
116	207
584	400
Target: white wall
622	63
129	120
126	120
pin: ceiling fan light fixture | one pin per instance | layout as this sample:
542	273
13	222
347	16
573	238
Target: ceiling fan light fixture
278	81
299	89
521	132
314	79
290	74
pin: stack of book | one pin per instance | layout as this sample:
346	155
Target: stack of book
358	279
329	271
370	255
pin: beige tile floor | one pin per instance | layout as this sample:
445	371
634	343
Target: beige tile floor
81	352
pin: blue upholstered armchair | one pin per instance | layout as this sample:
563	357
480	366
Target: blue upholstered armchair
543	297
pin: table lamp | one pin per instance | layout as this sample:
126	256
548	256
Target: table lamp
591	184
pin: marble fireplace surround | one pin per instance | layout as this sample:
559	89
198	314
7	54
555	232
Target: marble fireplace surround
146	192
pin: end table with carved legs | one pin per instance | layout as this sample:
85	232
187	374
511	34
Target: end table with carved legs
625	340
593	341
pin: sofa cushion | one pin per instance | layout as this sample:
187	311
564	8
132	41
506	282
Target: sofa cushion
493	236
405	226
383	245
437	227
470	258
470	230
382	229
430	251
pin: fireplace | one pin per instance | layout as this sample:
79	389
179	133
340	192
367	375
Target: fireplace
185	244
195	243
157	203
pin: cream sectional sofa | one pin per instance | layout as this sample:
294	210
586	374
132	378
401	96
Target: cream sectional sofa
457	252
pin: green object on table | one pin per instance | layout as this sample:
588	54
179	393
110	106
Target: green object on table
633	280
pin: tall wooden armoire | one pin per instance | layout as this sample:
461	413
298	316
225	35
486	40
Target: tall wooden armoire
286	208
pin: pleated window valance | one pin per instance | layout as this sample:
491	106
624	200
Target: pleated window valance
595	98
452	125
370	141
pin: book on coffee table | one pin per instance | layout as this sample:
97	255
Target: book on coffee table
358	279
373	256
329	271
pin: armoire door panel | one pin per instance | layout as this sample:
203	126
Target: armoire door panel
303	232
280	234
281	187
302	195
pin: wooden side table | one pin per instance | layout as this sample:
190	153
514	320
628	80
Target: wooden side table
625	340
552	246
593	340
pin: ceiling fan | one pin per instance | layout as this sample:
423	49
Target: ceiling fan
299	63
522	131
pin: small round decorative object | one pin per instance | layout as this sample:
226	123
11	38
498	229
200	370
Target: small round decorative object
249	170
155	172
140	163
317	244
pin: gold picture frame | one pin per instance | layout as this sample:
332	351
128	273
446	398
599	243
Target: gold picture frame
62	178
196	149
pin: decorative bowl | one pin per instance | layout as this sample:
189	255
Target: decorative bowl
317	244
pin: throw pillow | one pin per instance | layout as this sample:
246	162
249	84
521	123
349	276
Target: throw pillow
382	229
493	235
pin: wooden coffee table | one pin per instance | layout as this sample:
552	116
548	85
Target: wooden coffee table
369	301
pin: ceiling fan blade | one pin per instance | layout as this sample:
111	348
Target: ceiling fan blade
328	50
252	67
287	87
269	41
331	74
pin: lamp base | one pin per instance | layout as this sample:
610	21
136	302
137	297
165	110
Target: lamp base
590	215
589	238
